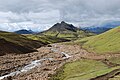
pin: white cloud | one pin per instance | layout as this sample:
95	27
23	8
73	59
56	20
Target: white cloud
24	25
43	13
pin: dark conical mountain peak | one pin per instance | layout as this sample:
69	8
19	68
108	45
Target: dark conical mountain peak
63	26
57	24
63	22
65	31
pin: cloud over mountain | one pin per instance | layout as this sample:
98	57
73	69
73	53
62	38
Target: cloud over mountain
82	12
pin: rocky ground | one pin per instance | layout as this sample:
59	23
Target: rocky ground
11	63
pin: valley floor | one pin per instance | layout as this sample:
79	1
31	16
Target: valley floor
11	63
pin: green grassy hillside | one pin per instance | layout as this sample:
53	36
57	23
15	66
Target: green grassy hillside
68	34
46	38
108	42
14	43
84	69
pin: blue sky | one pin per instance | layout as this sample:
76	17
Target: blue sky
40	15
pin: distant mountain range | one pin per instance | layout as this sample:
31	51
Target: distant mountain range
98	29
65	30
24	31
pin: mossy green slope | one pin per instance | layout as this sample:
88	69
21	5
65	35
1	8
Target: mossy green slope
108	42
14	43
68	34
82	70
46	38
